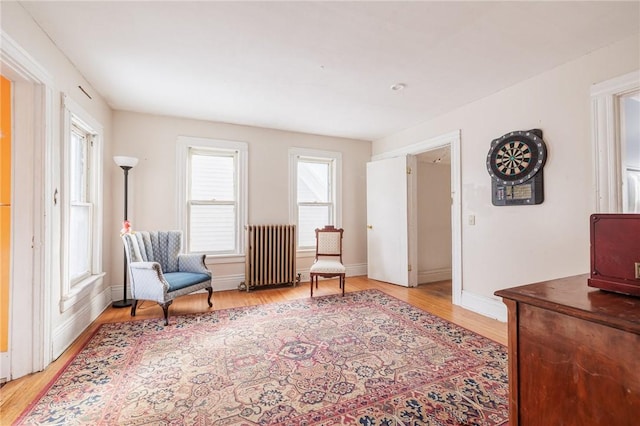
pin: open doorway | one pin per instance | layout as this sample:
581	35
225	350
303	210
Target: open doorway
31	244
451	143
434	236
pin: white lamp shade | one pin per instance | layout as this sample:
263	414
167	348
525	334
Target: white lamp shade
125	161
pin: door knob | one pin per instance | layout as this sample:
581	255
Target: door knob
369	227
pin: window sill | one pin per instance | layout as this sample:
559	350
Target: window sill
80	291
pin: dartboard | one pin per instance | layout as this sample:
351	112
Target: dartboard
516	157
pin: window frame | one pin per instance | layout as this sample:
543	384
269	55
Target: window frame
184	146
333	158
605	140
74	289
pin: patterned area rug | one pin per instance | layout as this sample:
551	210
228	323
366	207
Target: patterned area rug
364	359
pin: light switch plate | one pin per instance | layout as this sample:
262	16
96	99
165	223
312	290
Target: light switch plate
638	270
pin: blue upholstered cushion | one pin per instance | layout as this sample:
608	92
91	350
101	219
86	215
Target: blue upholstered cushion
179	280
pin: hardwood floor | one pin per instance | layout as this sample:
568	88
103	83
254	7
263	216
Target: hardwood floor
16	395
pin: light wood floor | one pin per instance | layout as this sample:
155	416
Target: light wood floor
16	395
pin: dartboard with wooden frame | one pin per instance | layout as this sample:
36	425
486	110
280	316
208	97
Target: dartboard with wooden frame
515	162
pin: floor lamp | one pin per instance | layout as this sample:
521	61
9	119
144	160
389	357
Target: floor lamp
126	164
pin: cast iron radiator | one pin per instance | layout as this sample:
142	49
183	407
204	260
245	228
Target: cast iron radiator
270	256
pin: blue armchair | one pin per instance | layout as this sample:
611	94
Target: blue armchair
158	270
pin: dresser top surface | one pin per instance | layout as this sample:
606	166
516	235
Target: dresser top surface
572	296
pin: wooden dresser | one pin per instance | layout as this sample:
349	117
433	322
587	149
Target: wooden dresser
574	355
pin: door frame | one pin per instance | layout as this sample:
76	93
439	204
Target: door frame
33	126
452	140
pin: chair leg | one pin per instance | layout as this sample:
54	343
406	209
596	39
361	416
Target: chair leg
342	283
311	283
134	305
165	309
210	290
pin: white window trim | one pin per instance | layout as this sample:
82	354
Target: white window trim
606	140
294	154
182	155
72	294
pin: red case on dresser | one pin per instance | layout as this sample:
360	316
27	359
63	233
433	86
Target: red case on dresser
615	253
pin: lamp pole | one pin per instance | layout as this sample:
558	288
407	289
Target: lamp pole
126	164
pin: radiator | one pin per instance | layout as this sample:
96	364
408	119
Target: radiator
271	256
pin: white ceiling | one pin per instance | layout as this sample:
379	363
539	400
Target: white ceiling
321	67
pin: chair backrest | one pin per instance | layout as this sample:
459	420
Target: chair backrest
154	246
329	241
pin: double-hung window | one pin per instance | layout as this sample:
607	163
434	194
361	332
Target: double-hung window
315	189
213	195
82	203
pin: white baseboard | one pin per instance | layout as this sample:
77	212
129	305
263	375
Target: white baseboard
483	305
224	283
434	275
231	282
356	270
227	282
69	330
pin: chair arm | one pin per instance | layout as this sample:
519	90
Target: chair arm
146	265
192	263
147	281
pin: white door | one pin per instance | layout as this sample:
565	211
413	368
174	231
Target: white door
388	198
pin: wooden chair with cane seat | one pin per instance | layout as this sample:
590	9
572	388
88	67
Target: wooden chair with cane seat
328	261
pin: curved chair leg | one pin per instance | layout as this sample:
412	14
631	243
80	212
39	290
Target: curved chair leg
165	309
210	290
311	283
134	305
342	283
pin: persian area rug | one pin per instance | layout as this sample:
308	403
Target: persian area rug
362	359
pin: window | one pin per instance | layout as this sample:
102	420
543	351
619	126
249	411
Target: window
614	144
82	203
315	185
212	195
81	206
630	151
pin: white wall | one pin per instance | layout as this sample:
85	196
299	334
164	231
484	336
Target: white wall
152	183
508	245
434	222
517	245
19	27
